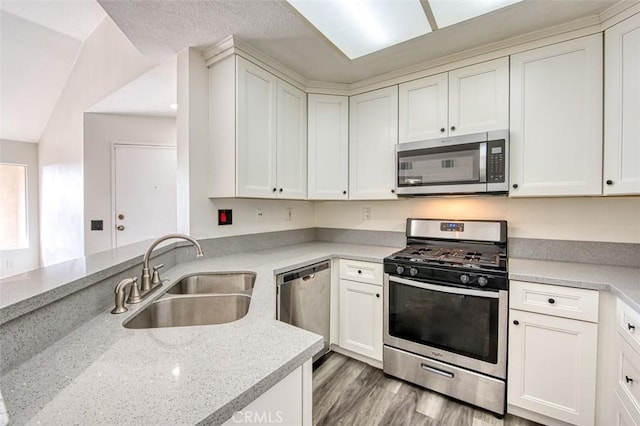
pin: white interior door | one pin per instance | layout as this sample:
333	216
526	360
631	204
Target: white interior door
144	186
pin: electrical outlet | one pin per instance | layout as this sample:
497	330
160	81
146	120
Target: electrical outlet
366	213
259	215
289	214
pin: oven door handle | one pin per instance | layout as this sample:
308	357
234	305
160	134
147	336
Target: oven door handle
446	289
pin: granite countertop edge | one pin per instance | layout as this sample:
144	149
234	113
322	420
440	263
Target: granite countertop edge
622	281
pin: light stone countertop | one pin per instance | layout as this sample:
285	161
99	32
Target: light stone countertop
622	281
102	373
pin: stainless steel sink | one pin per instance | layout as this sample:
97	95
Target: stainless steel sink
192	310
215	283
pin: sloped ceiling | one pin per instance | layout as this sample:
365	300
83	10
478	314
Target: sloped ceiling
39	43
159	28
151	94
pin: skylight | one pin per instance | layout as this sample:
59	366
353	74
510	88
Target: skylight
361	27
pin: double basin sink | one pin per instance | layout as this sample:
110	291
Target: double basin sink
199	299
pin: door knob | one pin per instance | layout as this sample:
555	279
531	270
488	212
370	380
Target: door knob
120	227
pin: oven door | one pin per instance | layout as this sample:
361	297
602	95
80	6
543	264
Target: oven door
459	326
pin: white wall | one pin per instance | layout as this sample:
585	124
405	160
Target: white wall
614	219
197	214
25	259
100	131
105	63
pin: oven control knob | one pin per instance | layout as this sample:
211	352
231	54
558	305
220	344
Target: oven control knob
413	272
399	269
482	281
464	278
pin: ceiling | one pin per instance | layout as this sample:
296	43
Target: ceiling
39	43
164	27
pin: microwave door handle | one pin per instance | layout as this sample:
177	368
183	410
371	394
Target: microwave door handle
483	163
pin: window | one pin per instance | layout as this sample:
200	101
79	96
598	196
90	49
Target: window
13	206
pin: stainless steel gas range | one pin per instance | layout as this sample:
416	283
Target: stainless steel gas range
446	307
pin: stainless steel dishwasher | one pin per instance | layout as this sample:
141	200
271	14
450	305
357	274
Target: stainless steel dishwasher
303	299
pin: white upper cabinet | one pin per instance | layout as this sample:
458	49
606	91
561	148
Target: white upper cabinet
423	108
479	98
622	108
463	101
291	142
328	147
257	135
256	130
373	135
556	119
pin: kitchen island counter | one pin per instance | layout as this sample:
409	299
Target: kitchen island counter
102	373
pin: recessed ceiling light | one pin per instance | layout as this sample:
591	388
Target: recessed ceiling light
173	106
360	27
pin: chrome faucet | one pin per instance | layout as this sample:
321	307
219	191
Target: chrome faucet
147	284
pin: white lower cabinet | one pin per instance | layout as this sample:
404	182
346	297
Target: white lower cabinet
360	308
623	416
627	384
288	402
361	318
552	360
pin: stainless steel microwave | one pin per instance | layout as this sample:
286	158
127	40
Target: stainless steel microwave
469	164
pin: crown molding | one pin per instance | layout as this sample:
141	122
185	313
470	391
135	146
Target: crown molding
618	13
219	51
327	88
234	45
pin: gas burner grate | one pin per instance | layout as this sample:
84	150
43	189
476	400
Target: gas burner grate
462	257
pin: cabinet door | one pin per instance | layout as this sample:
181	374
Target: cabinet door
422	112
556	119
361	318
622	108
256	131
552	366
328	147
479	98
373	134
291	133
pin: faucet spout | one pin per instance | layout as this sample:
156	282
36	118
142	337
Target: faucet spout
145	286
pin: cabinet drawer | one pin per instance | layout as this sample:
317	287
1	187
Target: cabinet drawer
628	373
566	302
628	324
625	413
365	272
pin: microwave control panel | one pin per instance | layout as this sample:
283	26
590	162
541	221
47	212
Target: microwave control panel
495	161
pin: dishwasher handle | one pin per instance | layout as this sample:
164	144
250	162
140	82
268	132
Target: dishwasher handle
306	273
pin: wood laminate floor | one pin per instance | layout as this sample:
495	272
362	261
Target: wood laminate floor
351	393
